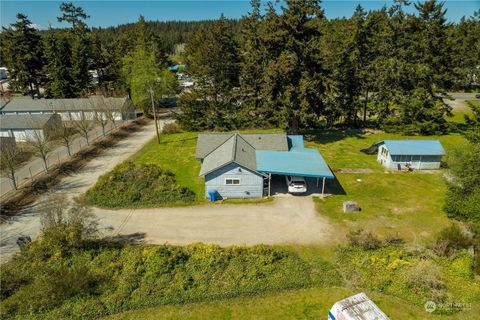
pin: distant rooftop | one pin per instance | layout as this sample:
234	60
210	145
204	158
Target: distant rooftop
24	121
414	147
27	104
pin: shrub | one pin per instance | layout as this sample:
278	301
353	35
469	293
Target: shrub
91	283
171	127
136	185
365	239
450	240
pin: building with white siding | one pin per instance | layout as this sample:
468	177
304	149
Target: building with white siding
27	127
415	154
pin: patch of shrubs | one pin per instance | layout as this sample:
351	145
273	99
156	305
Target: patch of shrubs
369	241
171	127
131	185
450	240
104	278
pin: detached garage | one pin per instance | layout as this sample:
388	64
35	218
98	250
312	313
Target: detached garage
415	154
28	127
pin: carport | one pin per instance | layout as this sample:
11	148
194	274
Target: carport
299	161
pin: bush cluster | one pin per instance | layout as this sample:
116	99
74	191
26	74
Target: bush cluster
104	278
171	127
135	185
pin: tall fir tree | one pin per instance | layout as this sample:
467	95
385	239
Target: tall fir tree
57	55
212	58
22	54
294	77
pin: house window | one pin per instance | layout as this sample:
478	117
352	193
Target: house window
232	181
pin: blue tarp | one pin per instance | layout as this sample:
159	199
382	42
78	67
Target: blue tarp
414	147
176	67
299	161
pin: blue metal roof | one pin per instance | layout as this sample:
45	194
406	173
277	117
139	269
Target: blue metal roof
176	67
415	147
299	161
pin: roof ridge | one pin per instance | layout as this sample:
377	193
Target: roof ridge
240	135
221	144
234	151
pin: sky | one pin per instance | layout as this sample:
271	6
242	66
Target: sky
105	13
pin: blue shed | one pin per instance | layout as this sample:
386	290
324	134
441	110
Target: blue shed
241	165
416	154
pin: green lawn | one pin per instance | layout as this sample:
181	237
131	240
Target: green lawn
298	304
407	203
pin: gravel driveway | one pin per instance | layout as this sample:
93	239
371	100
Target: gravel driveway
288	219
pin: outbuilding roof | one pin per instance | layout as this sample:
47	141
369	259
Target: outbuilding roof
25	121
414	147
26	104
359	307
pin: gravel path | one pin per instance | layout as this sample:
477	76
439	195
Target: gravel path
28	222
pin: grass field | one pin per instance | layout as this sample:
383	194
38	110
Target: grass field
311	303
407	204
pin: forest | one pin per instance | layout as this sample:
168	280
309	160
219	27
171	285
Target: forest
282	65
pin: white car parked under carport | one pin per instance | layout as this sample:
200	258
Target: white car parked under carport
296	184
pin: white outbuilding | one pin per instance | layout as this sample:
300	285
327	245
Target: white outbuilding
414	154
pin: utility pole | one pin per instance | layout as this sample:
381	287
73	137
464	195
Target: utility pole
154	115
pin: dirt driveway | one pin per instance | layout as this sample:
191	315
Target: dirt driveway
286	220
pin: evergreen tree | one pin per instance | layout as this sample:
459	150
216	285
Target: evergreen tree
72	15
212	59
294	77
79	35
253	61
57	55
22	54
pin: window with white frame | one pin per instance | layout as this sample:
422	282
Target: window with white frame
233	181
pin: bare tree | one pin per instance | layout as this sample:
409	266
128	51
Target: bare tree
114	107
66	133
56	211
85	124
101	110
42	145
10	159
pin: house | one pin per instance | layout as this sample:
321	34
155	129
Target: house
416	154
357	307
71	109
27	127
241	165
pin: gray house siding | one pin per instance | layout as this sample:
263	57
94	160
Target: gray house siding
250	186
416	162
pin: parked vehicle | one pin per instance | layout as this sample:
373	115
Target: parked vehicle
477	96
296	184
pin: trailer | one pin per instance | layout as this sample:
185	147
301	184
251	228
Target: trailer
357	307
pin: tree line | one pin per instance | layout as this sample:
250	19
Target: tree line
59	59
293	68
284	66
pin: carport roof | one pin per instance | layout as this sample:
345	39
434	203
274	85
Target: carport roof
305	162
